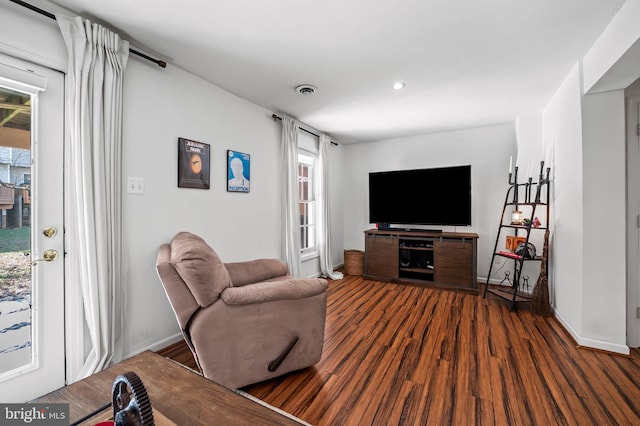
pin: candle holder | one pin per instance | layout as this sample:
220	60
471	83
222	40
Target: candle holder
542	180
514	183
514	175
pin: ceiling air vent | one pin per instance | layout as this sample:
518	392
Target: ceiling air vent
306	89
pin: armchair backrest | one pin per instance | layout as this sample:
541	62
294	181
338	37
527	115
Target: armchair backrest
254	271
183	303
192	273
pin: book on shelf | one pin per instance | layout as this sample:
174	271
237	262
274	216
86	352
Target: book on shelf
510	254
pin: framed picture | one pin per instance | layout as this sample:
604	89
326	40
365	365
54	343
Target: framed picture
238	171
194	164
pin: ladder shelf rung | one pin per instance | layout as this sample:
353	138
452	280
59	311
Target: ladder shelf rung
525	204
508	295
508	225
515	256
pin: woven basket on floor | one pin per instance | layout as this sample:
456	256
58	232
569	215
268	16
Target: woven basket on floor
353	262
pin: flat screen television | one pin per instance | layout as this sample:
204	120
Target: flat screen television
435	196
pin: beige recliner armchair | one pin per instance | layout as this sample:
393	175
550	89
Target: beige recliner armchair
245	322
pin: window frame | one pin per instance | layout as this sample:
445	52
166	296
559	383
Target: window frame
310	159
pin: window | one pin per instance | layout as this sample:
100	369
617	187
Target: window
307	203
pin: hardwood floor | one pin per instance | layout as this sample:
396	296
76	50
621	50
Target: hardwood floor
403	355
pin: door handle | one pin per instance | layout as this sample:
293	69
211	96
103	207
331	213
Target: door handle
48	256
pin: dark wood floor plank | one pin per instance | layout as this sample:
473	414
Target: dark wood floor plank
405	355
355	389
404	410
370	408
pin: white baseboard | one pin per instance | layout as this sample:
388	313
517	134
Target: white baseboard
483	280
157	346
592	343
318	274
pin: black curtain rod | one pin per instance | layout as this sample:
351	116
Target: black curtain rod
160	63
276	117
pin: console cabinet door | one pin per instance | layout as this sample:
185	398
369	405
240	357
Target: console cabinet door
382	255
454	261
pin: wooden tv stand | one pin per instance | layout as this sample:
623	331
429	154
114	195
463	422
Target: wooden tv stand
427	258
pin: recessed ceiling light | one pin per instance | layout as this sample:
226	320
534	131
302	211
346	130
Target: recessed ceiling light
306	89
398	85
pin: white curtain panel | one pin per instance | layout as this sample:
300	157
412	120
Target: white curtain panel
97	59
290	201
324	215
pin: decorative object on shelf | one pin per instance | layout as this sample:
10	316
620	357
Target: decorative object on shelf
194	161
512	242
510	254
508	243
517	241
516	217
526	250
540	303
536	223
238	171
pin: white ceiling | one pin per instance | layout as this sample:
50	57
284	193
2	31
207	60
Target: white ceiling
466	63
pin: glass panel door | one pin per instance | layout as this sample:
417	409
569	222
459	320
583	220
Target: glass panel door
15	230
32	342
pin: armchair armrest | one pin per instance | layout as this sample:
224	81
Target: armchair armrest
254	271
277	290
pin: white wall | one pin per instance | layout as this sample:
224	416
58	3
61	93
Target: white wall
487	149
32	37
588	276
238	226
604	192
336	204
562	127
530	146
632	101
612	61
161	105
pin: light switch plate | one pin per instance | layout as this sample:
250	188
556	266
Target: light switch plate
135	185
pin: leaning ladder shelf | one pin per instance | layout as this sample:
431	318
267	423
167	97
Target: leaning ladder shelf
520	195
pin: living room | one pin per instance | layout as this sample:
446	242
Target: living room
580	132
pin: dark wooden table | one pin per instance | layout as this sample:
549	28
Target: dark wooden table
178	396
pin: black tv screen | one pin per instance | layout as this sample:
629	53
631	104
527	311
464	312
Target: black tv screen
435	196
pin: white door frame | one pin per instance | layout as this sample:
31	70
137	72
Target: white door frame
633	221
46	372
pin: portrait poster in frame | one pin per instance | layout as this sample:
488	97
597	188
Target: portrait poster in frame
238	171
194	164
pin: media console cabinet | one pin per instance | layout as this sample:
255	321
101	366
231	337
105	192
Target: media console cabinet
434	259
